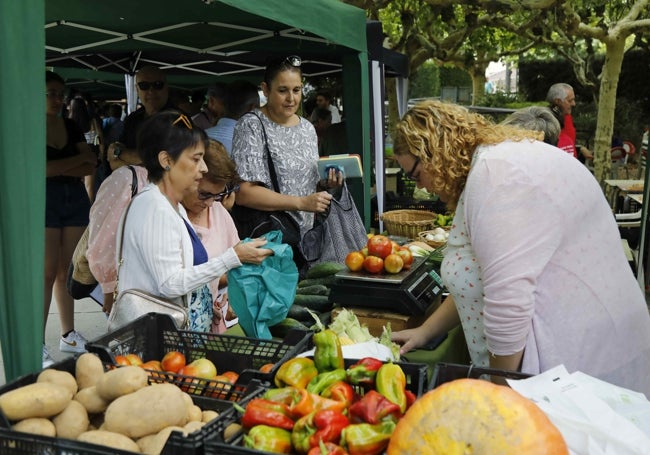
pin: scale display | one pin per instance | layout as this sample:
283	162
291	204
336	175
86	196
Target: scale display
409	292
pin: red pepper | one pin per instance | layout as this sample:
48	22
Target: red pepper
410	398
266	412
319	426
327	448
374	408
364	371
366	439
299	401
340	391
321	403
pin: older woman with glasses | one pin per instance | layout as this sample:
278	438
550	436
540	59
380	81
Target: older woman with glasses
161	252
206	209
292	144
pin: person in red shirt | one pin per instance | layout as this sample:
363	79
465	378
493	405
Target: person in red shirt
561	99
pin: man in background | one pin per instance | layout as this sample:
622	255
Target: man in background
214	107
561	99
324	101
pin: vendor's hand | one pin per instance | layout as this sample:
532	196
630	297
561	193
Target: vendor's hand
108	303
410	339
334	178
317	202
251	253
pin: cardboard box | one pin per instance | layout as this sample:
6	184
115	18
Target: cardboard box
375	320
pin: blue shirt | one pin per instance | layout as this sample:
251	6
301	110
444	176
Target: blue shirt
223	132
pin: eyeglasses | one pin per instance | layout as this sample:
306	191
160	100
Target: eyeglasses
293	60
410	175
55	94
204	195
146	85
186	121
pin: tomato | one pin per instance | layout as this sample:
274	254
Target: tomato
406	255
364	251
267	367
122	360
204	368
230	376
152	365
380	246
396	246
354	261
373	264
134	359
393	263
173	361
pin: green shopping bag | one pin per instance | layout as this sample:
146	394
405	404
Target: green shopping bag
262	294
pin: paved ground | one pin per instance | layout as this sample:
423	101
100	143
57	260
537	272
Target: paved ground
89	320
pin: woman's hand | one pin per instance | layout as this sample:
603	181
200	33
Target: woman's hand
334	178
251	253
317	202
411	338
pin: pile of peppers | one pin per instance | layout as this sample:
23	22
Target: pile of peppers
319	407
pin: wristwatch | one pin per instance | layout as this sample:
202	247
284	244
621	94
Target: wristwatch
117	149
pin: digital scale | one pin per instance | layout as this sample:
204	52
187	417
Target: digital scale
408	292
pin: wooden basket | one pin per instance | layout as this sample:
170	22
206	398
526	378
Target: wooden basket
408	223
422	236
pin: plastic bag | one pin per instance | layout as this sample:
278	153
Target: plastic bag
262	294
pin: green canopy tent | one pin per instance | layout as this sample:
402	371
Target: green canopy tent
82	39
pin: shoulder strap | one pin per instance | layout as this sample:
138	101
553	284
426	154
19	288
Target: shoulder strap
134	182
274	178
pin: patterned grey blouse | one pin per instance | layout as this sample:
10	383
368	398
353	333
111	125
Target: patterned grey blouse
294	151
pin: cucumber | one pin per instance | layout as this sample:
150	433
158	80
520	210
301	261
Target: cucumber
317	303
324	269
315	289
281	329
326	281
300	313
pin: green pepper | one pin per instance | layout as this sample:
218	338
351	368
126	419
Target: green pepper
266	412
367	439
364	371
268	439
319	426
324	380
373	408
328	355
391	383
296	372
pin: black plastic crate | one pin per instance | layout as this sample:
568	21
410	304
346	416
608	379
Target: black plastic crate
16	443
153	335
446	372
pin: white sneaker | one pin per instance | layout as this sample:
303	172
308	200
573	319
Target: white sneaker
74	342
47	358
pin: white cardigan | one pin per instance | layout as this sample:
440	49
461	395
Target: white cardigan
157	252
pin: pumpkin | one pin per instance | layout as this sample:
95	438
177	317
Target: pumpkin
472	416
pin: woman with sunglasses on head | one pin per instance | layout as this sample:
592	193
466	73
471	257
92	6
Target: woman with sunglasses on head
534	265
161	252
206	209
69	160
292	143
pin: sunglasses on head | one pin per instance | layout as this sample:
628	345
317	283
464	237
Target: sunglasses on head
293	60
204	195
184	120
146	85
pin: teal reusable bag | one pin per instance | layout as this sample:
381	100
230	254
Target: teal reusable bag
262	294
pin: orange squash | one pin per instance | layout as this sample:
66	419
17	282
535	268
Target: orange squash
472	416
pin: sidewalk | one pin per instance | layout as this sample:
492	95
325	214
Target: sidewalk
89	320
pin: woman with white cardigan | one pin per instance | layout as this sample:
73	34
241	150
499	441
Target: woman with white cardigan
161	253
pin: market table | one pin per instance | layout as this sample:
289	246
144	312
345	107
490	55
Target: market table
617	188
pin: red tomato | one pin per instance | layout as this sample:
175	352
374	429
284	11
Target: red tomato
373	264
230	376
380	246
173	361
267	367
406	255
122	360
354	260
134	359
393	263
396	246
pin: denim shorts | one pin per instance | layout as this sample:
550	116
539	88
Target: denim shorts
66	204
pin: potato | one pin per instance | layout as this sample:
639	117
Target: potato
72	421
208	415
88	370
191	427
121	381
109	439
146	411
90	399
36	425
154	444
195	414
40	399
58	377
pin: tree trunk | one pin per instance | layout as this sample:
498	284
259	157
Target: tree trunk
477	73
615	46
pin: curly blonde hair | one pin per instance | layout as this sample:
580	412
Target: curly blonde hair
444	137
221	168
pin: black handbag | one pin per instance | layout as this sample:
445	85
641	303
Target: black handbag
255	223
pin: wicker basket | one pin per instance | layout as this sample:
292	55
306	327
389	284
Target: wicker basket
408	223
422	236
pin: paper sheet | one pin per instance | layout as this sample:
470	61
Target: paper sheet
361	350
595	417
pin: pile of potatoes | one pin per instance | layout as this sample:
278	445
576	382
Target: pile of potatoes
117	408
